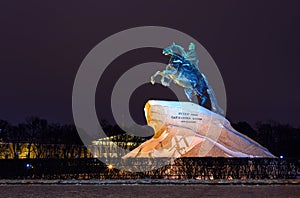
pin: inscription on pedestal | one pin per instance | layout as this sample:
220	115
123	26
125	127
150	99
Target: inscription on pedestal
186	117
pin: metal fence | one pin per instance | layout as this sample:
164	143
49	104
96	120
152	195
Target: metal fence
180	168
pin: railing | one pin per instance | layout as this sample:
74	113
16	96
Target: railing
181	168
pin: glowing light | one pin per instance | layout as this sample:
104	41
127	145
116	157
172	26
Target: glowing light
281	157
110	167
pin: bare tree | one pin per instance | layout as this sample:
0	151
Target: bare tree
36	135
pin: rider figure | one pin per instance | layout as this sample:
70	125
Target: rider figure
191	55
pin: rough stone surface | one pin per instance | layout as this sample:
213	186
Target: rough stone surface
185	129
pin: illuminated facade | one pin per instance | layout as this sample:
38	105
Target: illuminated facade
114	146
109	147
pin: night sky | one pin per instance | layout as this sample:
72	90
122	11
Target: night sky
256	46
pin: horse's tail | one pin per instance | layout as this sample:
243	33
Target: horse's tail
213	100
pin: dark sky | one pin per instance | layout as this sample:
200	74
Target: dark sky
256	46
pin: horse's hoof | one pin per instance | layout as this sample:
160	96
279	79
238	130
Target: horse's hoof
165	84
152	81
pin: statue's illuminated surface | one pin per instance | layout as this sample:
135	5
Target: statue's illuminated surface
186	129
183	70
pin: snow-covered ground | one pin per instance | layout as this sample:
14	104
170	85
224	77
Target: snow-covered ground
146	190
151	182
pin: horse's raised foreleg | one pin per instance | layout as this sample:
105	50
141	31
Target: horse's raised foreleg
167	74
164	83
153	77
164	74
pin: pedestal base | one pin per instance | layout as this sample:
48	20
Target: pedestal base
185	129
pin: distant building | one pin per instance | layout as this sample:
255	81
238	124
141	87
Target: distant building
114	146
109	147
